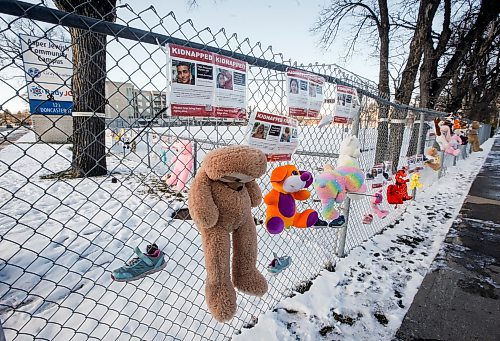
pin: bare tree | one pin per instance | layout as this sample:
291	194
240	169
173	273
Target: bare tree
10	44
368	19
88	86
488	12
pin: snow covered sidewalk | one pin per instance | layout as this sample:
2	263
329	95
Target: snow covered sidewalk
370	291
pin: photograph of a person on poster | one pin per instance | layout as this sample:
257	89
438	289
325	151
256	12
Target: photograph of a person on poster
259	131
312	90
224	79
183	72
341	99
294	86
285	136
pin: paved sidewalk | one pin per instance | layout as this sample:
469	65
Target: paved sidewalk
460	298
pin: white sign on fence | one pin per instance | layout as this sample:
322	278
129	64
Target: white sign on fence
305	93
277	136
48	67
206	84
346	103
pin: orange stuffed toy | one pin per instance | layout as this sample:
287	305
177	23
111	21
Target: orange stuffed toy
289	184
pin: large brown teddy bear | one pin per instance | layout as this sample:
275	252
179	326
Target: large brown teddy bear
473	139
220	201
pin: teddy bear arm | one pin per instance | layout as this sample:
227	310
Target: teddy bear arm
254	192
202	207
303	194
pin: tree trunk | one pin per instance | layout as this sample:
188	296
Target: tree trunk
488	12
383	85
427	11
88	86
89	77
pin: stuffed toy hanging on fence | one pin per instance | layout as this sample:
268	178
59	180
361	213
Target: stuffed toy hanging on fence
398	192
349	152
415	181
289	184
220	201
433	160
473	138
182	163
375	202
333	185
443	137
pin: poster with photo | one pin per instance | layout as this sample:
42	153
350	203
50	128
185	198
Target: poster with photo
304	93
377	173
431	139
419	162
410	162
277	136
388	169
346	103
206	84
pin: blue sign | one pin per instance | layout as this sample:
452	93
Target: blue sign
47	107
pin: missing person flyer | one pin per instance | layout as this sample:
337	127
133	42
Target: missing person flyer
305	93
346	105
378	176
206	84
276	136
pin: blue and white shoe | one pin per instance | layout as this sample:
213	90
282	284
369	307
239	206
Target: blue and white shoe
279	264
141	266
339	222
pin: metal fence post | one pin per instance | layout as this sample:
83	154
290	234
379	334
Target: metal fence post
441	163
419	144
147	149
343	231
195	158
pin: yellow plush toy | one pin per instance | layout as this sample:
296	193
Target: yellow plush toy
415	182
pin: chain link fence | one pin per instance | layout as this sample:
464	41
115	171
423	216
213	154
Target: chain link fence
61	236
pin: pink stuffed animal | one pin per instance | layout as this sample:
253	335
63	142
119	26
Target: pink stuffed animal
376	201
444	140
456	142
183	163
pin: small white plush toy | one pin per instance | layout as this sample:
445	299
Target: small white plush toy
350	151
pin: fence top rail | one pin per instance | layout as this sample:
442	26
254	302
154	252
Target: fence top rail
58	17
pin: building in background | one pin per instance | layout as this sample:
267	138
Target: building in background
120	100
126	103
148	103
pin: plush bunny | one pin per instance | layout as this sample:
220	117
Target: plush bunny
220	202
289	184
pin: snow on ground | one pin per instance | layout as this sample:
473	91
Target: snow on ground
368	294
61	239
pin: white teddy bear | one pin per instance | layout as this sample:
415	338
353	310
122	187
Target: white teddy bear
350	151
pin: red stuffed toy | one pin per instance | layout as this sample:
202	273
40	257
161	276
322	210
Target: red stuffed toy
398	193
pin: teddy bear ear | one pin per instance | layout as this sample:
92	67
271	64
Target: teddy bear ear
279	173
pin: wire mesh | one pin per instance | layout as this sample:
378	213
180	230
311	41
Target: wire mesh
61	236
